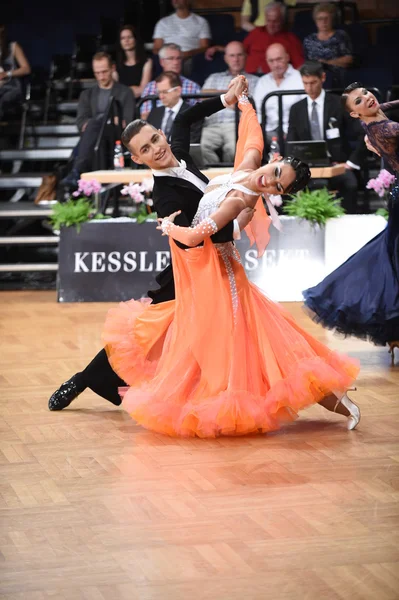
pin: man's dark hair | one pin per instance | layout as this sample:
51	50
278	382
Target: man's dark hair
173	78
132	130
311	68
352	86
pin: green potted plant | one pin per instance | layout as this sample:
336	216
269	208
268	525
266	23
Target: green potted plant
77	210
315	206
81	209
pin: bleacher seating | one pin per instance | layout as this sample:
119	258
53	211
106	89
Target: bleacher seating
202	68
39	138
303	24
222	28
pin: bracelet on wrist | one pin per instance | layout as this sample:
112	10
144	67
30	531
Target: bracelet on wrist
166	226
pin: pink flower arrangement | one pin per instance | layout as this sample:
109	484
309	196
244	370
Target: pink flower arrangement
139	192
87	188
382	183
134	191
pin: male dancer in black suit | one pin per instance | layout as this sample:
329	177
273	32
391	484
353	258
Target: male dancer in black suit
320	116
178	185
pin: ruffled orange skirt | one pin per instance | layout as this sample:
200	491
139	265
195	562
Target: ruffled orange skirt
221	359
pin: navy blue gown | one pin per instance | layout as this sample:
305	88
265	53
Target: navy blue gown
361	297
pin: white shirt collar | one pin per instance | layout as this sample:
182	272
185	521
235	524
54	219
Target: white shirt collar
171	171
176	107
288	73
319	100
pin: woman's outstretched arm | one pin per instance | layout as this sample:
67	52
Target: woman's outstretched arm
250	141
192	236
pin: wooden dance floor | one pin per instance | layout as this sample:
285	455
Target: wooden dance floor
94	507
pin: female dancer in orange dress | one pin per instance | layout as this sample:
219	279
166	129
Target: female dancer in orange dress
222	359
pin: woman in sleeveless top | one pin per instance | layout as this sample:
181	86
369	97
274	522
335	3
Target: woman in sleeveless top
134	68
222	359
361	297
13	65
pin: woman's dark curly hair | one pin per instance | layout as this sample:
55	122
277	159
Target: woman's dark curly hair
352	86
302	174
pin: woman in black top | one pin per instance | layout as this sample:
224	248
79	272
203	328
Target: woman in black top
134	68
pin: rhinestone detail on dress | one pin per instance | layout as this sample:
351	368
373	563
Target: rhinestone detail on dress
227	255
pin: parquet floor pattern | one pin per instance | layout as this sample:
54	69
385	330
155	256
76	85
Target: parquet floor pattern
94	507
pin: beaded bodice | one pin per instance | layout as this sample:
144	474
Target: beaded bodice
219	187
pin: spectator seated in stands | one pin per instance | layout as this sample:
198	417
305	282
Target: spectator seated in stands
133	66
257	42
169	88
92	106
320	116
13	66
190	31
253	13
330	46
219	131
282	76
170	58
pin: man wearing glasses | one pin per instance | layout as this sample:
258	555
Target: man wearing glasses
170	58
169	90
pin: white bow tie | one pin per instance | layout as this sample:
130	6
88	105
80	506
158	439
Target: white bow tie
181	169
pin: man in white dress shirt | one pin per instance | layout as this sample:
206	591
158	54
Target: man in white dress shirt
219	132
190	31
282	76
320	116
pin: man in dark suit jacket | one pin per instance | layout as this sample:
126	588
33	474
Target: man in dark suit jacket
169	89
321	116
93	103
178	185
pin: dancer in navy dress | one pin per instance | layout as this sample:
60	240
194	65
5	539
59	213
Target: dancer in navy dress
361	297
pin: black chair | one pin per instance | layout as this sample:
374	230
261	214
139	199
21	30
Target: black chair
109	31
85	47
380	77
222	28
360	39
388	37
202	68
303	24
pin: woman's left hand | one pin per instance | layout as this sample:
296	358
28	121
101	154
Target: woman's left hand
163	222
